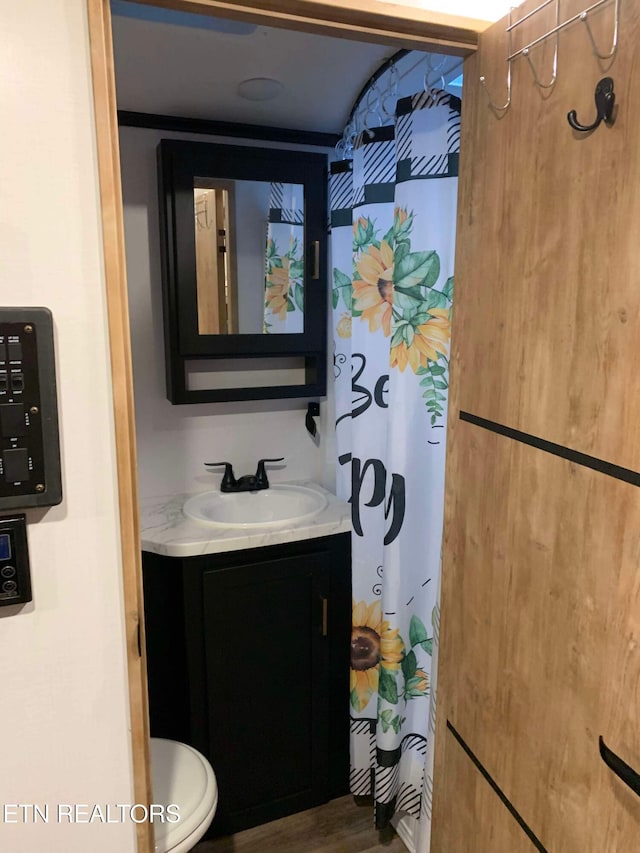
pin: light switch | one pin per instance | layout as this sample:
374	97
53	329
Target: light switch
12	422
16	465
15	350
17	381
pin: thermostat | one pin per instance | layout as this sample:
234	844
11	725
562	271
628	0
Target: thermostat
15	578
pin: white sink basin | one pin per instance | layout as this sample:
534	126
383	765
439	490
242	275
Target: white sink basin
272	507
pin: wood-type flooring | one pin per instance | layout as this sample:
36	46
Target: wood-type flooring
340	826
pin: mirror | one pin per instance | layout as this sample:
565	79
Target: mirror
249	239
244	272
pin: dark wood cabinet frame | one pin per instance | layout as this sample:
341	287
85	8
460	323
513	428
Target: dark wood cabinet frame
179	163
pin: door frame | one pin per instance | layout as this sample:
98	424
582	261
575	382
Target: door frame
404	26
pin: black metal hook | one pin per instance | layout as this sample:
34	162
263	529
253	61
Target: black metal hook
619	767
605	100
313	411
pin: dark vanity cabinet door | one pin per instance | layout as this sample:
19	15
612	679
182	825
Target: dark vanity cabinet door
263	637
267	664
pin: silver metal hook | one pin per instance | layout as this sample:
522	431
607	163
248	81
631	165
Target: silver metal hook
429	87
507	103
525	51
366	128
358	124
390	93
438	67
536	79
483	79
527	56
584	17
431	69
394	78
372	99
580	16
372	107
344	146
386	112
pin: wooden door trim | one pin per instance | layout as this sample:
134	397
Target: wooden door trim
390	23
108	151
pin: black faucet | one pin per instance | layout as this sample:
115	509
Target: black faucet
246	483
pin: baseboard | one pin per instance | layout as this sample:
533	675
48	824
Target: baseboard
407	829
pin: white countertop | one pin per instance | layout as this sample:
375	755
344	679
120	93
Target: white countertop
166	530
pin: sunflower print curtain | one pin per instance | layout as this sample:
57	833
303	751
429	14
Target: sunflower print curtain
393	214
284	265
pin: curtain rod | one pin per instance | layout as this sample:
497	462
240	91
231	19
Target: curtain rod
386	65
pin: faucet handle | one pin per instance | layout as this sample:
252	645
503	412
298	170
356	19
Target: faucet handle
261	474
228	479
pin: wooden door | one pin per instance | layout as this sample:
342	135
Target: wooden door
216	267
210	274
540	642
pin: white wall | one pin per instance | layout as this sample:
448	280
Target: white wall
63	695
174	441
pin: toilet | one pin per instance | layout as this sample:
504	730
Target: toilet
182	777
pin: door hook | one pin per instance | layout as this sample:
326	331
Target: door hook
619	767
605	100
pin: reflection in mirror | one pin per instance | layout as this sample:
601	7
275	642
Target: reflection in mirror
215	258
284	265
249	256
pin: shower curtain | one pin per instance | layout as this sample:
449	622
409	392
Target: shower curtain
392	237
284	261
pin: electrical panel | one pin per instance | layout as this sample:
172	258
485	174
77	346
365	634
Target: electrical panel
29	442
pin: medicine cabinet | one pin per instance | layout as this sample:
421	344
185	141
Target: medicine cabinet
243	241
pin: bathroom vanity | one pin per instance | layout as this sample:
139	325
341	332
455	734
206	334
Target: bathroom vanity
248	634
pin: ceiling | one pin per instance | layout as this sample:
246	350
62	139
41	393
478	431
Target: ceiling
173	63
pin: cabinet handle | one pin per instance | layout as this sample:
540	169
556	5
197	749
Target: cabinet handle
620	767
325	614
316	260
